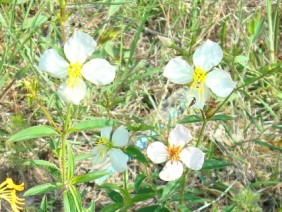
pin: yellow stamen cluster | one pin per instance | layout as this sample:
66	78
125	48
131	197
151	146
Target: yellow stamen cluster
174	152
106	142
8	192
74	74
199	77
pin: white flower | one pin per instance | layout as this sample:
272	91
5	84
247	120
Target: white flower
76	49
111	146
175	154
205	58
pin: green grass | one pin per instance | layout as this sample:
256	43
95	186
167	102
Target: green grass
127	33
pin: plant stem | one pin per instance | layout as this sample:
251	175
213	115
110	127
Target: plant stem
64	145
63	18
205	121
181	201
125	176
270	30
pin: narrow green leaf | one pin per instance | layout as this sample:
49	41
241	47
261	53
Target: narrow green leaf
42	189
191	119
33	132
92	124
91	207
142	197
69	205
153	208
115	7
170	189
114	195
35	21
71	163
112	207
76	197
221	118
89	177
43	205
124	193
215	164
138	181
41	163
82	157
135	153
271	147
229	208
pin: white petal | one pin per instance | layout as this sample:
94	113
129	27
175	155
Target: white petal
172	171
120	136
118	159
106	132
99	71
51	62
192	157
72	95
99	153
178	71
179	136
157	152
79	46
207	55
220	82
198	98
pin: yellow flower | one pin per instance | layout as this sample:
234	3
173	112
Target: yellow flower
8	192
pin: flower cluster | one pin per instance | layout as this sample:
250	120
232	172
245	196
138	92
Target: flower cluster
201	78
8	192
175	154
76	49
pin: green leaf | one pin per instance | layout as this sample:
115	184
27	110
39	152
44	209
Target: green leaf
170	189
35	21
186	197
43	205
229	208
71	163
215	164
123	192
91	207
112	207
92	124
69	204
42	189
33	132
139	127
82	157
221	118
41	163
114	195
153	208
138	181
191	119
265	144
76	197
115	7
135	153
142	197
89	177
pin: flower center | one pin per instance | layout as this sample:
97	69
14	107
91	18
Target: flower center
174	152
199	77
74	74
104	141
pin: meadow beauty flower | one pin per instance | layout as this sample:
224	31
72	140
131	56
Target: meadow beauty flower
205	58
76	49
175	154
8	192
111	145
